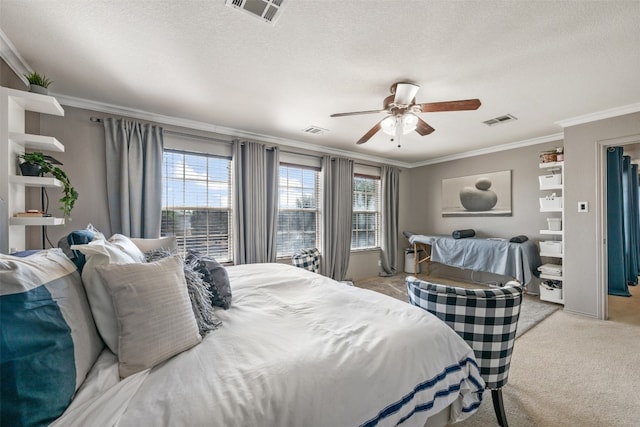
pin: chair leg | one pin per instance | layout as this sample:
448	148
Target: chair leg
498	407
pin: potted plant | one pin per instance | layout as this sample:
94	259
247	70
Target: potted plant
38	83
40	163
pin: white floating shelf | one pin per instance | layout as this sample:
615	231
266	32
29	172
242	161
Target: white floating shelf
551	255
551	165
36	221
552	187
35	102
37	142
552	232
35	181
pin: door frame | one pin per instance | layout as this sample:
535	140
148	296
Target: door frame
602	265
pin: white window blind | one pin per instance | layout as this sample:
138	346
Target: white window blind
196	202
365	231
298	209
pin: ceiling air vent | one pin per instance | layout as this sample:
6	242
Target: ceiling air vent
499	120
265	10
315	130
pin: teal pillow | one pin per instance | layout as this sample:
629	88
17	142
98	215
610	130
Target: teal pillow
79	237
48	341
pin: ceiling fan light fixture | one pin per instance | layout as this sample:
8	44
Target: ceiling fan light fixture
388	125
400	124
409	122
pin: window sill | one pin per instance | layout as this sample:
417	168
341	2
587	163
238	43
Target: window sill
364	250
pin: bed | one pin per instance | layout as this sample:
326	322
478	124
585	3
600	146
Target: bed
294	349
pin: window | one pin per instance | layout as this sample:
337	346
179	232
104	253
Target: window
298	212
365	232
196	202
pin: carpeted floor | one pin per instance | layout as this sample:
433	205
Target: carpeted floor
568	370
532	312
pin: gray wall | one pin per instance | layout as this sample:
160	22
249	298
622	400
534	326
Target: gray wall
425	215
584	292
84	162
420	193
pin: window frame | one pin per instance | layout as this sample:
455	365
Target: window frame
183	238
378	213
317	209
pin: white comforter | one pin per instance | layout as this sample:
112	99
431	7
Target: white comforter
295	349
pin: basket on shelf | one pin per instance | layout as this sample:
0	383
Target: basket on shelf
548	156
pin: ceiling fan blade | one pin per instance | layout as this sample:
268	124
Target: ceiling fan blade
355	113
465	104
369	134
423	128
405	93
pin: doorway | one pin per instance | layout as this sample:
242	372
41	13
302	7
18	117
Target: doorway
616	308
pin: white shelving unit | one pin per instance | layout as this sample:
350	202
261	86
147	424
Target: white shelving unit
14	141
551	202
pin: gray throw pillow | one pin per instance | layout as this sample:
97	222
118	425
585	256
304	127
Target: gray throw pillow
215	275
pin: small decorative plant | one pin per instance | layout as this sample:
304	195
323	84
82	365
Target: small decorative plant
38	83
70	195
39	80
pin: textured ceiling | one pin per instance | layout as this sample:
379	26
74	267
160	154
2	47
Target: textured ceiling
542	61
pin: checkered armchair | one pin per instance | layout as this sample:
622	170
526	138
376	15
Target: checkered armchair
485	318
309	259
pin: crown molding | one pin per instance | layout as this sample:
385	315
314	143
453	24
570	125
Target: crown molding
14	60
220	130
236	133
600	115
497	148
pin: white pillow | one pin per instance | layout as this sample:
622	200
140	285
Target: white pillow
127	246
152	305
145	245
102	252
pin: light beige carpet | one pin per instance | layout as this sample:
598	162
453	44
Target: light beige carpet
532	311
570	370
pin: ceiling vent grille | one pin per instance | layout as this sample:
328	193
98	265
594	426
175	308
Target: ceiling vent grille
315	130
266	10
499	120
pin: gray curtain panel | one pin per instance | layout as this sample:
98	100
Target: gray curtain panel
338	216
390	196
255	202
134	177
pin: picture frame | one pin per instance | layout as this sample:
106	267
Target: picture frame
487	194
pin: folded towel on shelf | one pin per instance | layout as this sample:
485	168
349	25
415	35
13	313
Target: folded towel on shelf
554	269
519	239
460	234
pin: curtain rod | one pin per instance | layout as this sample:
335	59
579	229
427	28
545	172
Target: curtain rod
173	132
189	135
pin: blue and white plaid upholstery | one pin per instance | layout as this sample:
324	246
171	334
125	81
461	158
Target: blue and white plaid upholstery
309	259
485	319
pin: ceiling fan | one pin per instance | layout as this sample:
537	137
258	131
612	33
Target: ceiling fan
401	109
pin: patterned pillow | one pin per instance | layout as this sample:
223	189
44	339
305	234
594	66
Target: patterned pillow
48	340
215	275
309	259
